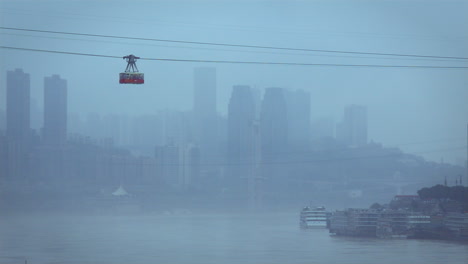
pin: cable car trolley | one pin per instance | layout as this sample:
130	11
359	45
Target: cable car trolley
131	74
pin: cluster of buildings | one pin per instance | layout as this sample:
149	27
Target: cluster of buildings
50	155
254	152
386	222
266	148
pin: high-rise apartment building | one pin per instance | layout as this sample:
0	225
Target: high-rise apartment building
273	124
298	114
18	106
274	139
18	128
240	133
55	110
241	116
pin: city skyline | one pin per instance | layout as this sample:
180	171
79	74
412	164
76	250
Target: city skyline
434	154
433	100
192	131
253	137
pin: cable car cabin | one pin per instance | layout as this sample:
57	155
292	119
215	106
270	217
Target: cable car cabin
131	74
132	78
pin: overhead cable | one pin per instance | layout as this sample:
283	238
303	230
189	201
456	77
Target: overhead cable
244	62
237	45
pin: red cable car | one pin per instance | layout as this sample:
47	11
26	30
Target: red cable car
131	74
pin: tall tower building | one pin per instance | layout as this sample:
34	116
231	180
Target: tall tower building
298	110
274	139
273	123
353	129
18	106
240	133
55	110
204	110
18	129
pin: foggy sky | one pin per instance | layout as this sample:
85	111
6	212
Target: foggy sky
421	110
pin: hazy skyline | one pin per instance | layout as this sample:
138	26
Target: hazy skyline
404	105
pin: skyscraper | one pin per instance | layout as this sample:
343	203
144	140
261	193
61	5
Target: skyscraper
55	110
18	130
298	111
18	106
274	139
204	110
273	123
353	129
240	138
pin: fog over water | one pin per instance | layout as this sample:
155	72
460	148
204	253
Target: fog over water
249	111
202	238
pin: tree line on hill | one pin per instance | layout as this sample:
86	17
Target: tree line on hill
442	192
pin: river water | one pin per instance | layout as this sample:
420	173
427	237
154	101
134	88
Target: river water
201	238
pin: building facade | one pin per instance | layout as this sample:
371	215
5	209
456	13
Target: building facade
240	134
273	124
55	110
18	106
298	114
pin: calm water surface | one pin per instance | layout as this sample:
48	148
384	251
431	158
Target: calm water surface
193	238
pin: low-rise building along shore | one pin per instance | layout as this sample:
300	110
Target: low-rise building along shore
399	224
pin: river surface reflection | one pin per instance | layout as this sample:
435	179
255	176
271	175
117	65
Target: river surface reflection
201	238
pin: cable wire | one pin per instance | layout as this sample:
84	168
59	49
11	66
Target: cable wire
236	45
63	52
232	50
243	62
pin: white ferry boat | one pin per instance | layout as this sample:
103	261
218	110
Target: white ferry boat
315	217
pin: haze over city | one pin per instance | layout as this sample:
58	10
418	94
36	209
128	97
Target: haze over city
433	100
246	110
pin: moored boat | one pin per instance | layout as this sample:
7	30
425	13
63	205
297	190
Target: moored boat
313	217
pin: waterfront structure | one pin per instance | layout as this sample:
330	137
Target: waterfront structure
354	222
457	225
392	224
383	223
18	106
55	110
353	129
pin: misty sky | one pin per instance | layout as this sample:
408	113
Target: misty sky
421	110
